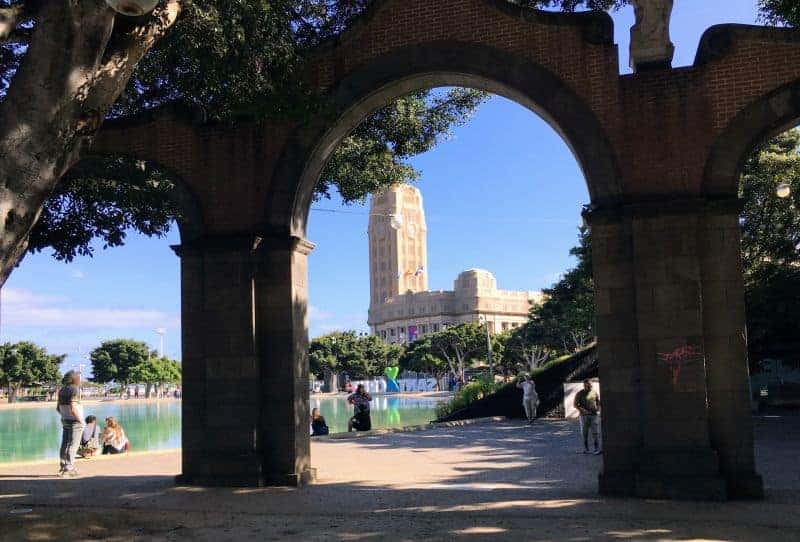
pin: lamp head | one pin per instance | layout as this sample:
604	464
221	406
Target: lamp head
783	190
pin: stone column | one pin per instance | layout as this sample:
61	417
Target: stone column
618	351
281	326
677	460
221	410
724	325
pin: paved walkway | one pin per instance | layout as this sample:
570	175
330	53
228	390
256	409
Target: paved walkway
501	481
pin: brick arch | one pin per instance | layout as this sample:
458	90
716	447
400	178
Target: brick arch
192	224
763	118
431	65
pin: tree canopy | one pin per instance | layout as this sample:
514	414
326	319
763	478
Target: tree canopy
25	364
360	356
117	360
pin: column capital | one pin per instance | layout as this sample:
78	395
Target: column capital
249	243
662	207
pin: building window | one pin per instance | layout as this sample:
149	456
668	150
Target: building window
505	326
424	328
435	327
383	334
515	324
391	332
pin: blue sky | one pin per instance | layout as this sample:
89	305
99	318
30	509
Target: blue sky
504	193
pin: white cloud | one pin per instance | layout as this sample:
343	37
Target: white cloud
77	274
29	309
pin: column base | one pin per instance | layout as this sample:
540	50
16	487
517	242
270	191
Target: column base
247	480
663	487
745	485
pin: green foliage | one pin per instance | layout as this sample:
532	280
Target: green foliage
573	5
358	355
117	360
564	322
25	364
91	203
770	225
156	370
780	12
473	391
770	241
419	357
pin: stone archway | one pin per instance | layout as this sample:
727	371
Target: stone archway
659	148
765	117
433	65
191	224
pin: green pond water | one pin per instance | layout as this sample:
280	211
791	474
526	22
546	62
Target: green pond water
29	434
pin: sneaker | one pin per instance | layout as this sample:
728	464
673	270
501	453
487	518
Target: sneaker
598	452
72	473
61	473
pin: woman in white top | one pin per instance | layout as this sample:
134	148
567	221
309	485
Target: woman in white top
530	399
114	440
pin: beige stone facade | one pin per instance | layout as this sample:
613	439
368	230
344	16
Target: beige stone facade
401	307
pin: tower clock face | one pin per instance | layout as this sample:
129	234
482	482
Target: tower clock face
412	229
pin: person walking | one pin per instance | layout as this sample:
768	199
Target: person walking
71	411
361	420
530	399
587	401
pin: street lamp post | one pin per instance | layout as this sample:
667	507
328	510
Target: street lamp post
160	331
489	356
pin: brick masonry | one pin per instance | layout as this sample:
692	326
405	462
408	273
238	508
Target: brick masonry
660	150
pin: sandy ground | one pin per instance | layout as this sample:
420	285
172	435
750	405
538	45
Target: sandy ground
499	481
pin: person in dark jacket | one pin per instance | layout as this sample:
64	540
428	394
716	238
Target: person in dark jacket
318	425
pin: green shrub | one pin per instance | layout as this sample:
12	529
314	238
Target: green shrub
473	391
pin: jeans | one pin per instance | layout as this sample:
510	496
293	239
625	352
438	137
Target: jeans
70	441
530	403
589	425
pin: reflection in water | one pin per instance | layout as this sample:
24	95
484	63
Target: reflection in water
386	411
35	433
29	434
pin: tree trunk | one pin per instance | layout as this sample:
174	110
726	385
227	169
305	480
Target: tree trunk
147	389
13	391
76	66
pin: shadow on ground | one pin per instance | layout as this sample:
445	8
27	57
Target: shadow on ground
496	482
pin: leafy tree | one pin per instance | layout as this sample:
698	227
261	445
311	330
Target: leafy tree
24	364
459	346
359	356
419	357
91	203
63	64
780	12
771	246
156	371
526	349
117	360
565	320
771	225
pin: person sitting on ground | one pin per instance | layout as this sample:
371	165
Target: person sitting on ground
361	420
114	439
90	440
530	399
318	425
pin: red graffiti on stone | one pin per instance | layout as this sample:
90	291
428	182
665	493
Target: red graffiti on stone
677	359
